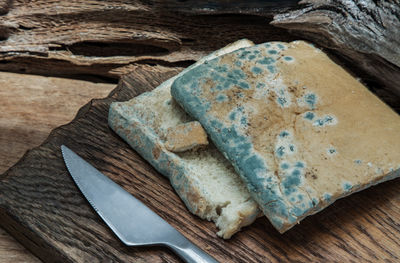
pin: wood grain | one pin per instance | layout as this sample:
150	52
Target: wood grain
12	251
103	38
44	210
30	107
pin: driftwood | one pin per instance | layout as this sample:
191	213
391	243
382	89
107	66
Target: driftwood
42	208
106	38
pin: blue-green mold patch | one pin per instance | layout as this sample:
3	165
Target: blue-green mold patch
243	85
221	98
327	197
232	115
282	101
292	180
266	61
311	100
260	85
315	201
221	69
285	166
280	151
256	70
331	151
292	148
284	134
297	211
288	58
326	120
309	115
244	54
347	186
271	68
238	63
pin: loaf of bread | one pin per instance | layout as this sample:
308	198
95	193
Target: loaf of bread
204	179
299	130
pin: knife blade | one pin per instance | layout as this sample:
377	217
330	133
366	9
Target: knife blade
132	222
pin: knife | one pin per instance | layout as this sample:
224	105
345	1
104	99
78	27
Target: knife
131	221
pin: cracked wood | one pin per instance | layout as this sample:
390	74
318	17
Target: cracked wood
104	38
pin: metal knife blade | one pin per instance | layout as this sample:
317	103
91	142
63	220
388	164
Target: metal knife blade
133	222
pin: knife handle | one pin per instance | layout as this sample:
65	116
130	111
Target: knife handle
189	252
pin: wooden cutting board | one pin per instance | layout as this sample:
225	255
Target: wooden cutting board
42	208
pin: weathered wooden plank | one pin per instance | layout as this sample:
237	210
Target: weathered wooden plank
42	207
103	38
31	106
12	251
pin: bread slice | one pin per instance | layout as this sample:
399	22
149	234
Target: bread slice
204	179
299	129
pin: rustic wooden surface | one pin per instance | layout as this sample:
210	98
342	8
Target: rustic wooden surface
44	210
12	251
103	38
30	107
